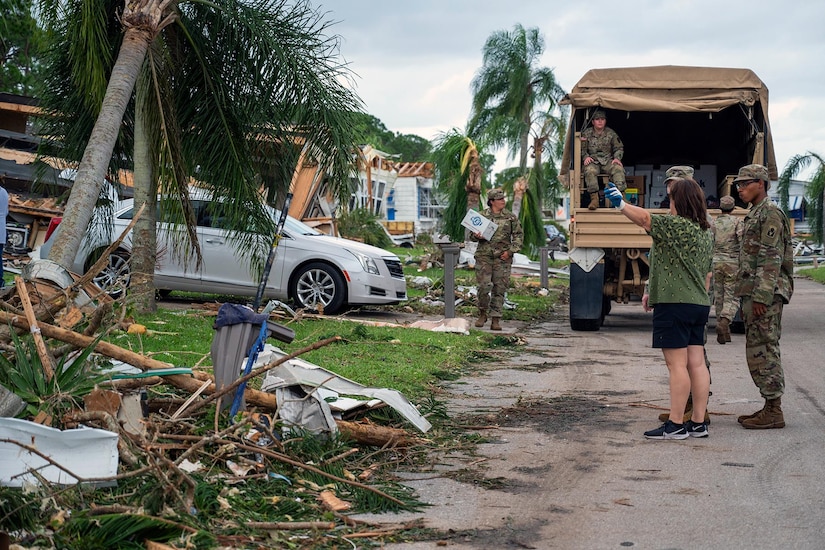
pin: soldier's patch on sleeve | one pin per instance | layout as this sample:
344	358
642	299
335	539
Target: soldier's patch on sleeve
771	232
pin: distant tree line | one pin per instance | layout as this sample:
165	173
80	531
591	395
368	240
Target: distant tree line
22	44
409	147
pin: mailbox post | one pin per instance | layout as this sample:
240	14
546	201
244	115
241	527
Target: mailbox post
451	251
545	280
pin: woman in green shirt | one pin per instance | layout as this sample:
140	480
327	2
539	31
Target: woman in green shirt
679	281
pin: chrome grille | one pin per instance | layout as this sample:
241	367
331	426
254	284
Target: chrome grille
394	266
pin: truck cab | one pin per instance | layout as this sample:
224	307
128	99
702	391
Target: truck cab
712	119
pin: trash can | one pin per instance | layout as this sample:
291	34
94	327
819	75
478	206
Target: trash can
237	328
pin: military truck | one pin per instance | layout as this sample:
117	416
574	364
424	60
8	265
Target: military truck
712	119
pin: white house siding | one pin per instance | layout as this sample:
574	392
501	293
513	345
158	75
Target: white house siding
404	199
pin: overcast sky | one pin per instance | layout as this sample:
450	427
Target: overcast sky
414	60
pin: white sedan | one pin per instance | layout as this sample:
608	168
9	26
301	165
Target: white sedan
314	270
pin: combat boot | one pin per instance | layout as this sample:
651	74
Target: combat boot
770	417
482	318
494	325
594	201
744	417
723	330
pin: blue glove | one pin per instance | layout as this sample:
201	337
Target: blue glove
612	193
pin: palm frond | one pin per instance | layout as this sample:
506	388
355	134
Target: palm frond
510	93
118	531
531	222
815	191
74	377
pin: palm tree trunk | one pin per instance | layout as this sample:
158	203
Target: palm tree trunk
98	153
144	256
519	187
473	186
524	145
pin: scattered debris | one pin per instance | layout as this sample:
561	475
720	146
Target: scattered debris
109	430
455	324
31	453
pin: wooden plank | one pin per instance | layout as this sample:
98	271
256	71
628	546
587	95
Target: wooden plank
45	359
19	108
609	228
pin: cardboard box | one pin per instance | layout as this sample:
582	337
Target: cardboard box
477	223
658	177
641	180
636	181
705	176
657	194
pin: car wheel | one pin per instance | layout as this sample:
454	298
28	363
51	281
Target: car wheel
318	284
115	276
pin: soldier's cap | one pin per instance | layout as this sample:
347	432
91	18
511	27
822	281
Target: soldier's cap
495	194
727	203
598	113
753	172
677	172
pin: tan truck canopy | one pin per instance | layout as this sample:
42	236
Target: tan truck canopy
673	89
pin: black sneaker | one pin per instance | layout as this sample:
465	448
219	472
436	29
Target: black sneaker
696	429
668	430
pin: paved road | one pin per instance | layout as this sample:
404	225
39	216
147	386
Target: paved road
597	483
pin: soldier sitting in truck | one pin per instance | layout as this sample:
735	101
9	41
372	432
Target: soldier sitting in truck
602	152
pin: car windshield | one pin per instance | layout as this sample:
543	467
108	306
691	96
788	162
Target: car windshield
295	227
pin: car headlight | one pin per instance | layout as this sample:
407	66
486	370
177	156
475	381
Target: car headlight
366	262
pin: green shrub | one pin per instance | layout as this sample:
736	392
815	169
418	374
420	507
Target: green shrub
361	225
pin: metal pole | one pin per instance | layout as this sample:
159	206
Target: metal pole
543	266
271	257
450	256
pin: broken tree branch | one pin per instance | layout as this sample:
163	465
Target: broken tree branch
104	258
286	460
45	359
269	366
180	381
290	525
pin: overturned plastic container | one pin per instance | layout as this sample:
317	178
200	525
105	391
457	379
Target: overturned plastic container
237	328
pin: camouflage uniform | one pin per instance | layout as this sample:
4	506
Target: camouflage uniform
766	277
493	273
602	148
726	265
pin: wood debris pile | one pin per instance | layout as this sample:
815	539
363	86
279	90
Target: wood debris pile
189	476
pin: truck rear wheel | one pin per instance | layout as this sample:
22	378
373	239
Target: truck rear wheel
587	305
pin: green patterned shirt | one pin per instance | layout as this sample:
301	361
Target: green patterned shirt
682	259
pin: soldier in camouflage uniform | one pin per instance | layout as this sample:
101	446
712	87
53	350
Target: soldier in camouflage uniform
725	267
765	284
494	258
602	151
